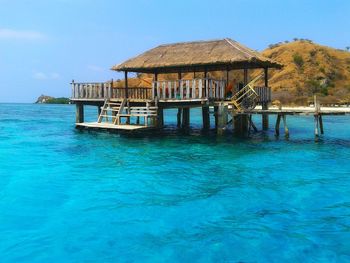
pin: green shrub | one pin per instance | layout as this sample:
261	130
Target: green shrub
298	60
322	70
313	53
58	101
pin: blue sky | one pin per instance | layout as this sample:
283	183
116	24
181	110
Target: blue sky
44	44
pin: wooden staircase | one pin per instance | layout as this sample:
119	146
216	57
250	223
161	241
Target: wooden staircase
110	111
246	97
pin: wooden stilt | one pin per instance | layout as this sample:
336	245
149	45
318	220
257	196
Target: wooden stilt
99	110
265	117
79	113
216	116
316	125
251	123
321	123
286	131
179	117
277	127
206	117
160	117
221	119
240	123
186	118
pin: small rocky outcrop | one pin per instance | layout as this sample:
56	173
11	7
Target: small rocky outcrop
44	99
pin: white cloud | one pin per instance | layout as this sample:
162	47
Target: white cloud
39	75
6	33
96	68
45	76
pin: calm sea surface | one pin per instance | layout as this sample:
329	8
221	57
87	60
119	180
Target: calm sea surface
70	196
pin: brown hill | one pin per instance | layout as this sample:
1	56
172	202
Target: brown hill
309	69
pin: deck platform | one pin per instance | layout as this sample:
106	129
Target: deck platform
300	111
111	126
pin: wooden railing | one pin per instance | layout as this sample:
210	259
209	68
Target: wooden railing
264	94
91	90
163	90
133	93
189	89
97	91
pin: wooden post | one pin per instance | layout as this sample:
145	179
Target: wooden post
73	89
126	85
266	77
205	83
265	116
316	125
321	123
221	118
179	116
277	127
186	118
156	85
79	113
206	117
216	116
240	123
286	131
245	80
265	105
160	121
99	110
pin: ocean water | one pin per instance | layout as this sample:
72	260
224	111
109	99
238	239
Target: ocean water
72	196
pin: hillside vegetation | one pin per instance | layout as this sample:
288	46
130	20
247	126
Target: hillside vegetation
309	69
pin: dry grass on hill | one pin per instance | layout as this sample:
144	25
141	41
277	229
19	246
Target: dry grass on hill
310	69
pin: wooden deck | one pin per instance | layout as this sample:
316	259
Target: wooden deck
111	126
300	111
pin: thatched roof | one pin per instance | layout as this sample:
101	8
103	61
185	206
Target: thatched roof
197	56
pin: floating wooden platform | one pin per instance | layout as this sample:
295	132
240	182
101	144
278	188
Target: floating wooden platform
111	126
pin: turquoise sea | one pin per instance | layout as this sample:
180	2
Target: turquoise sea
71	196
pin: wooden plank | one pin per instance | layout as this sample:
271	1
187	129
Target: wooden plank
200	87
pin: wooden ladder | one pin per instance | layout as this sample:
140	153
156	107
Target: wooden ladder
110	110
247	92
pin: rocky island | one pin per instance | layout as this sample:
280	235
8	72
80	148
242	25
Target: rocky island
44	99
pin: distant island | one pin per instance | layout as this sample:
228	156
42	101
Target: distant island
44	99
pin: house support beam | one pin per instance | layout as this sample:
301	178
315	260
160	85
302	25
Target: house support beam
277	127
160	122
240	124
265	105
221	118
179	116
185	118
79	113
206	117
